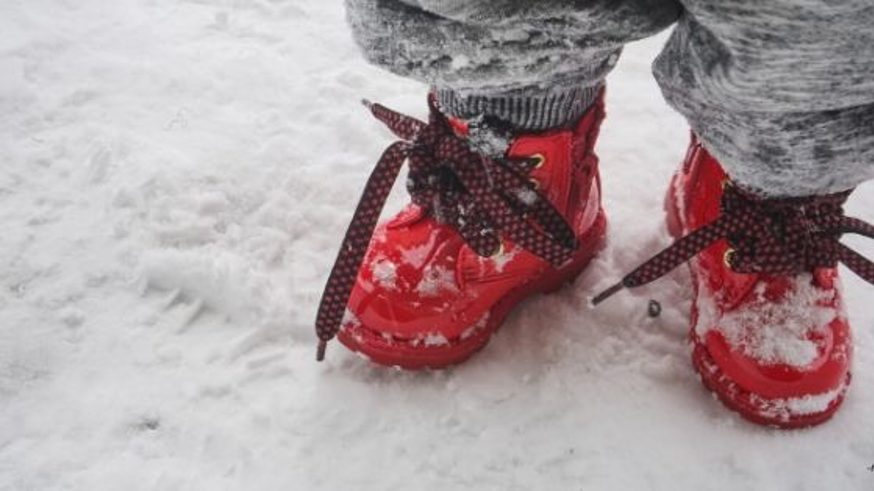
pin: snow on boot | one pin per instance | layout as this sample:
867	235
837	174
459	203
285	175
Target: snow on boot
430	286
769	331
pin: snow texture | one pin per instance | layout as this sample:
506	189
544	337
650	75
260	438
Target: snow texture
385	274
782	332
435	281
176	179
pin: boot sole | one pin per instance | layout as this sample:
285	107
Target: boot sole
409	355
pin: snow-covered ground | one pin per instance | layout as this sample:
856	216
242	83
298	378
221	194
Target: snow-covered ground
175	180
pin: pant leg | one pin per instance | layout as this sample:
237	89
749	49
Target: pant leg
535	65
781	92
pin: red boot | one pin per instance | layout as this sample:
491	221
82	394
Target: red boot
769	331
481	235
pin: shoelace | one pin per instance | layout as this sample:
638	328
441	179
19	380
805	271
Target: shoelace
481	197
778	236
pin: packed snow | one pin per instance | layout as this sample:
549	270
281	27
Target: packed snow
176	180
796	322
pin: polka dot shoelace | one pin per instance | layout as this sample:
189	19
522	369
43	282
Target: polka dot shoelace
779	236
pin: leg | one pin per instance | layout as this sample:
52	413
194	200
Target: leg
535	65
782	94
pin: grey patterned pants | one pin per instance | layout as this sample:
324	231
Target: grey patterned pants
780	91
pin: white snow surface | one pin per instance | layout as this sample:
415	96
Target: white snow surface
176	179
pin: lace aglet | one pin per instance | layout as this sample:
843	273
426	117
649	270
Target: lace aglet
320	351
367	103
607	293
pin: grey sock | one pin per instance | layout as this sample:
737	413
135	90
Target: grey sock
528	109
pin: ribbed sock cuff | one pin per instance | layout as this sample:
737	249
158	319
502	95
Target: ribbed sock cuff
528	109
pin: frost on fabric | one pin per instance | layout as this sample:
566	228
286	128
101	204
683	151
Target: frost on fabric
436	279
471	46
459	62
773	332
488	140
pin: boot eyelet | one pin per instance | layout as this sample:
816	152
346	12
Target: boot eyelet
535	183
499	251
727	257
538	159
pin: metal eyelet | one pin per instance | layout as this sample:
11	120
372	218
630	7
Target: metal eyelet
535	183
727	257
499	251
539	160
